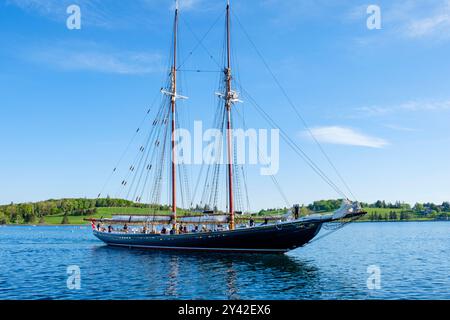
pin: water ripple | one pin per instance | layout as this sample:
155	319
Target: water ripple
413	259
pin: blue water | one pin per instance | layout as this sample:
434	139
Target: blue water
413	259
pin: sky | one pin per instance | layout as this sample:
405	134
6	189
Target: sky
377	100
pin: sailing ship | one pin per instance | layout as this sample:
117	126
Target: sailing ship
210	229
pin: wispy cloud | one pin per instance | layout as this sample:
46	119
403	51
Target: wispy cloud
345	136
376	111
437	23
405	20
399	128
289	13
109	14
93	11
189	4
87	57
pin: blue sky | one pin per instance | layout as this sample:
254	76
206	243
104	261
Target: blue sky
378	100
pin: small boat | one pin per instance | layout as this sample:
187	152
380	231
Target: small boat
207	230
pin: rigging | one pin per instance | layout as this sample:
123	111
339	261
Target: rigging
292	105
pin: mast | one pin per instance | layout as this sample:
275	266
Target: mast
173	106
228	103
172	92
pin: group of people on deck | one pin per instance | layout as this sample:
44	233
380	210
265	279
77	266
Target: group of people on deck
181	229
110	229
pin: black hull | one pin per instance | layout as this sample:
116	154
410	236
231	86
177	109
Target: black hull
276	238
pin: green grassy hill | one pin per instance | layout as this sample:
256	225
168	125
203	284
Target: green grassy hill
75	210
106	213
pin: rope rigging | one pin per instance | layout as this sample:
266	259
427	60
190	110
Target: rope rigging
136	132
158	171
285	136
335	226
148	168
294	146
199	40
294	108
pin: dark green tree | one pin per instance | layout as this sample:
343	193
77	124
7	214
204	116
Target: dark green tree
65	219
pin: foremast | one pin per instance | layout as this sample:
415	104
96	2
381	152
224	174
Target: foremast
231	97
173	100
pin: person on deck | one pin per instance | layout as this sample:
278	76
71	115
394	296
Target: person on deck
110	228
163	230
125	228
296	211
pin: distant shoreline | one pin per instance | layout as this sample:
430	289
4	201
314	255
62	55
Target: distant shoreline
73	211
87	224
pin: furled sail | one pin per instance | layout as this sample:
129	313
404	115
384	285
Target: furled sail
141	218
205	219
347	208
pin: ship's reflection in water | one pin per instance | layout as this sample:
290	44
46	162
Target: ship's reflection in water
172	279
208	275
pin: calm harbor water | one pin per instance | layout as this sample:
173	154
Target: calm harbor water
414	259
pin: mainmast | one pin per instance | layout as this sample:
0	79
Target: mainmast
229	97
173	106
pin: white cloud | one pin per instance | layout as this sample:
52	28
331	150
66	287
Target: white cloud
405	19
105	14
345	136
426	105
410	106
428	26
436	24
289	13
86	57
43	6
188	4
93	12
400	128
115	14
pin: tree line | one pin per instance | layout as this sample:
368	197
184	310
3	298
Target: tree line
35	212
387	210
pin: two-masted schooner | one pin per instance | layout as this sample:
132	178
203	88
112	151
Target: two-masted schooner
209	230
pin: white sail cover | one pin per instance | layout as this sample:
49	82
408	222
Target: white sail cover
206	218
141	218
347	207
160	218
